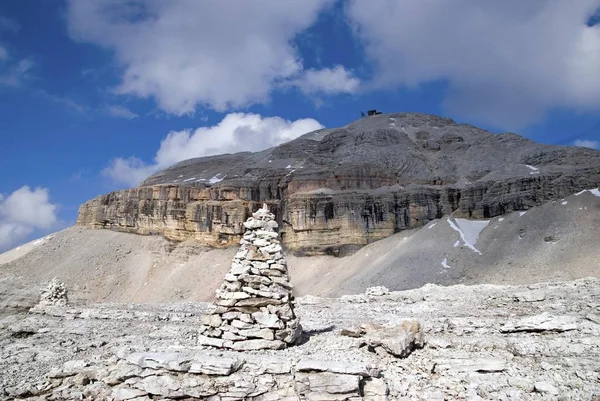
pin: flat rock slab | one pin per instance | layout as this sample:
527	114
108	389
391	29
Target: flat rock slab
179	362
126	393
312	365
253	345
541	323
483	365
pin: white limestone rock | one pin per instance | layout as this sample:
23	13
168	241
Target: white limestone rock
398	340
267	320
541	323
253	345
55	294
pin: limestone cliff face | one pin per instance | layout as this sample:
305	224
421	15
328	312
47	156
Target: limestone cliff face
335	190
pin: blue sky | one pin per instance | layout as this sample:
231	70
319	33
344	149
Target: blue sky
95	95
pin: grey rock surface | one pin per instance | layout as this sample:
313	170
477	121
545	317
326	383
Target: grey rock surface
143	352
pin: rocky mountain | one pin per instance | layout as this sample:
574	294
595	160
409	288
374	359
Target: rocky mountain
335	190
553	242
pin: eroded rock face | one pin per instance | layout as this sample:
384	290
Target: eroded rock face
333	191
254	304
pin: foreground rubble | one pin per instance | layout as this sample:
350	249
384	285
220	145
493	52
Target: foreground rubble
539	342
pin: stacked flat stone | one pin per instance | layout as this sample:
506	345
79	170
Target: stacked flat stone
254	308
54	295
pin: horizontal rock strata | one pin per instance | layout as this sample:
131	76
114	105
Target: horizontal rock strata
333	191
201	375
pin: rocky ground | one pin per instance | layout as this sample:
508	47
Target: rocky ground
483	342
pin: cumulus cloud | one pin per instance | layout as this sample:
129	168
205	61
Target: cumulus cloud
587	144
328	81
185	53
505	62
121	111
235	133
24	211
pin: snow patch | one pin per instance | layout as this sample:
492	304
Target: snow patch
445	264
564	203
595	192
457	243
472	229
521	213
40	240
217	178
532	168
431	226
189	179
288	166
501	219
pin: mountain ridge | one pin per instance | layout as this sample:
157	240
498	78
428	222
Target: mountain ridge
335	190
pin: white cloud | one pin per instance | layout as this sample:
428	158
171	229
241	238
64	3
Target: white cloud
235	133
130	171
328	81
24	211
505	62
7	24
62	100
185	53
121	111
587	144
12	73
15	74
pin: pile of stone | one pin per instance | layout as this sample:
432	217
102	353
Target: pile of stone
55	294
254	308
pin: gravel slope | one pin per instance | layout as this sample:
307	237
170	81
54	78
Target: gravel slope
557	241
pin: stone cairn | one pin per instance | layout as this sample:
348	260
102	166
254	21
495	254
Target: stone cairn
54	295
254	308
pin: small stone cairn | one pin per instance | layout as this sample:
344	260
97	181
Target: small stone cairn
55	294
254	308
